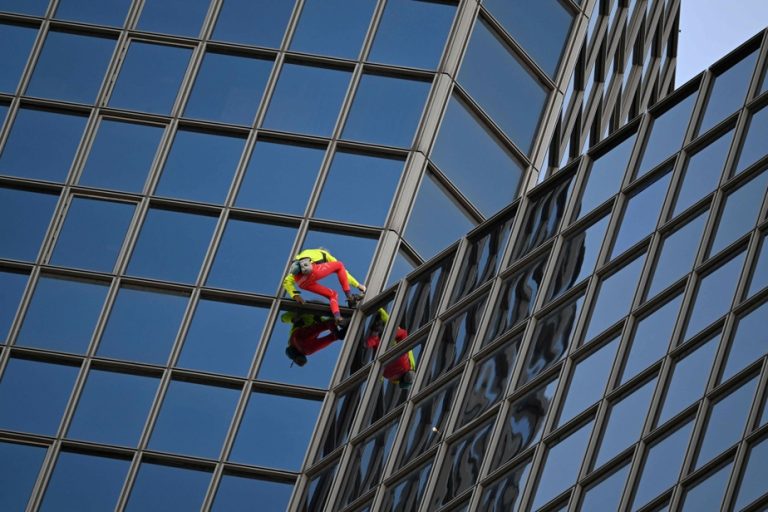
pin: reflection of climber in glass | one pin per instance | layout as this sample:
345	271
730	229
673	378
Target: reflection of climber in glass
311	265
310	333
402	370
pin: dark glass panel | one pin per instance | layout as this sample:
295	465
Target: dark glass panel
677	254
71	67
667	134
739	212
275	431
412	33
62	314
19	466
543	217
367	463
402	266
748	342
42	144
177	17
159	487
339	426
759	279
110	12
754	143
423	296
25	217
236	492
332	27
505	493
753	484
391	390
606	494
15	43
228	88
255	22
371	334
729	89
12	286
641	214
33	395
605	176
702	172
121	155
85	482
354	251
707	493
319	489
405	495
150	77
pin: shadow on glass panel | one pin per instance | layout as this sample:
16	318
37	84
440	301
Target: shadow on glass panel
423	296
161	486
343	414
406	494
242	490
20	464
371	330
318	489
505	493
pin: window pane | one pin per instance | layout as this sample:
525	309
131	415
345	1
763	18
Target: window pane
71	67
25	218
759	278
142	325
640	214
412	33
269	421
228	88
714	295
677	254
256	22
31	7
238	326
748	341
111	12
354	175
355	252
92	234
407	493
708	493
343	413
19	465
332	27
178	17
150	76
12	286
489	381
545	212
739	212
121	155
367	463
651	338
475	160
702	172
236	492
62	314
754	143
113	408
280	177
506	492
200	166
436	220
33	395
319	488
85	482
502	86
728	91
605	176
607	493
540	27
41	144
754	484
688	380
15	44
667	134
423	295
171	245
159	487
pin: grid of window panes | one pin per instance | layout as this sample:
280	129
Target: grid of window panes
597	345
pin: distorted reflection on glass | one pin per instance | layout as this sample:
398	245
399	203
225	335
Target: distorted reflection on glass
361	354
405	495
395	383
505	493
423	296
339	425
366	466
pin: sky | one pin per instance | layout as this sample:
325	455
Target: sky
709	29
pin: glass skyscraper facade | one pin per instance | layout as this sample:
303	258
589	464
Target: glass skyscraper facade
591	342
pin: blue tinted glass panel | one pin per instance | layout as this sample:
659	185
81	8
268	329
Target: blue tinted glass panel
33	395
171	245
607	493
32	7
475	160
729	90
759	278
499	82
236	492
652	337
677	254
280	177
62	314
401	267
15	44
194	419
3	112
354	251
150	77
689	380
605	176
506	493
113	407
386	110
110	12
142	326
85	482
19	465
754	144
167	488
12	286
353	175
541	27
256	22
200	166
307	99
625	423
707	494
748	341
269	421
667	134
332	27
702	172
739	212
243	244
41	144
121	155
754	484
228	88
71	67
412	33
436	221
25	217
715	294
240	325
92	234
178	17
640	215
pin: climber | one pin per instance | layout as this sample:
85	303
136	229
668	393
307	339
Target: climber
305	337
